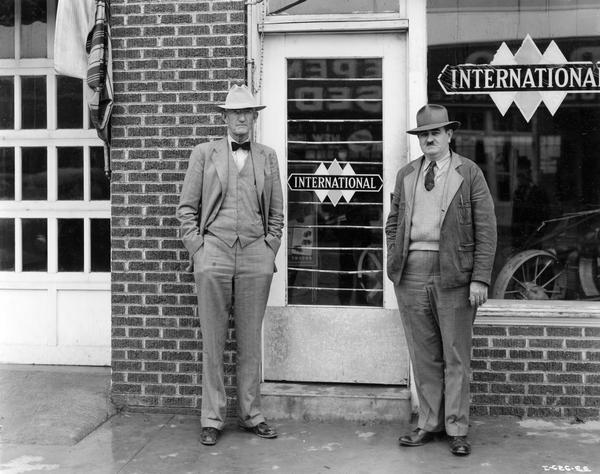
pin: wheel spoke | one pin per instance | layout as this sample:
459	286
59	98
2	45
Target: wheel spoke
548	263
519	282
551	279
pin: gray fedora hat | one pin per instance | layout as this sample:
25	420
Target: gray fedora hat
432	116
240	97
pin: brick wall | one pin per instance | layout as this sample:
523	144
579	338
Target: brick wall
536	371
172	61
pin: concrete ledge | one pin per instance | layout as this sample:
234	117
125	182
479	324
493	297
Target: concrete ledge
329	402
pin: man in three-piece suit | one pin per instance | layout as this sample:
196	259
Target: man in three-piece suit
231	215
441	242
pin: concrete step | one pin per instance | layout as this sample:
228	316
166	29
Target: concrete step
329	402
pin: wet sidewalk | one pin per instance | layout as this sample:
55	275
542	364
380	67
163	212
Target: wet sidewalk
46	416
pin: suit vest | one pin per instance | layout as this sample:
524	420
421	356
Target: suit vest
239	216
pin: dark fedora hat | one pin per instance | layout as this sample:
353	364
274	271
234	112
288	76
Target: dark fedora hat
432	116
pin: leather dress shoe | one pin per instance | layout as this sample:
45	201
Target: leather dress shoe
209	436
459	446
262	430
418	437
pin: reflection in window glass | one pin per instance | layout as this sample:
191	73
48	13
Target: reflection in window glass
70	245
100	242
7	174
33	102
33	29
100	185
69	102
34	174
304	7
334	128
70	173
7	29
7	244
35	245
7	102
543	173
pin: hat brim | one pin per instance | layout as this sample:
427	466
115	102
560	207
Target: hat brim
453	124
241	107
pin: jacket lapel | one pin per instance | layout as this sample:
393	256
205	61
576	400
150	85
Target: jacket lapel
220	159
453	182
410	185
258	160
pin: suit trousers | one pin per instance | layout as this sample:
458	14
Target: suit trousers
232	278
438	326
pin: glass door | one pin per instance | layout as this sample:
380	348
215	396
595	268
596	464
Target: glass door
335	112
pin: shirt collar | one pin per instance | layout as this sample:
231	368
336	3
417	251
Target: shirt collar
441	164
230	139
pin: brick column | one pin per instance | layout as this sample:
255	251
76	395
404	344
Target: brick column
172	60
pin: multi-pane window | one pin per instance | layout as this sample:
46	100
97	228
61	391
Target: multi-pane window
335	164
54	197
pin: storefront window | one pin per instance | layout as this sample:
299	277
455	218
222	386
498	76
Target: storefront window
335	207
537	148
303	7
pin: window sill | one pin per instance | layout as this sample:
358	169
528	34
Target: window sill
540	313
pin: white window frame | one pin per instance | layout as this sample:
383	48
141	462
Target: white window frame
50	138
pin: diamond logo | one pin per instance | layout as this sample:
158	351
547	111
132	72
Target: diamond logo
335	182
526	78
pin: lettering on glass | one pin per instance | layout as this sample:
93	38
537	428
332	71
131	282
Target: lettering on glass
526	78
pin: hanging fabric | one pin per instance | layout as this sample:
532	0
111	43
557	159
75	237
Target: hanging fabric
74	19
99	93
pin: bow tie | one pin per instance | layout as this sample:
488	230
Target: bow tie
236	146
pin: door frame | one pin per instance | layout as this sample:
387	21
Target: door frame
342	352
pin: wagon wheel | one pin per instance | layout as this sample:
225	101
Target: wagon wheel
588	276
370	274
531	275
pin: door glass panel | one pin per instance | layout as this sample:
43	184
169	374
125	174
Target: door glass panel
335	165
70	245
7	29
7	103
303	7
7	174
100	241
34	175
33	29
100	185
69	113
70	173
35	245
7	244
33	102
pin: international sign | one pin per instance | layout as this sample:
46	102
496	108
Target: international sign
335	182
526	78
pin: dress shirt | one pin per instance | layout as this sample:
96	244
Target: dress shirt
440	169
239	155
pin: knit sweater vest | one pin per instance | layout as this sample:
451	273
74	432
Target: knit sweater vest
426	216
239	216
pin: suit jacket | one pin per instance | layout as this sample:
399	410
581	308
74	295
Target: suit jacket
205	185
467	227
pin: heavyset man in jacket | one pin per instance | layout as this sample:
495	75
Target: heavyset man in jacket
441	242
231	214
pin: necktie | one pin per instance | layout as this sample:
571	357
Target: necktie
244	146
430	176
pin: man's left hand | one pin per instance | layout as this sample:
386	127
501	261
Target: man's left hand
478	293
